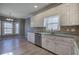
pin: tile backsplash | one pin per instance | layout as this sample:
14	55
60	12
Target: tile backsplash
38	29
68	29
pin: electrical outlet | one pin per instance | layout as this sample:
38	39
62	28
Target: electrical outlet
73	30
67	29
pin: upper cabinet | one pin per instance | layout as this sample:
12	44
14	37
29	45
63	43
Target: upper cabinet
68	15
37	21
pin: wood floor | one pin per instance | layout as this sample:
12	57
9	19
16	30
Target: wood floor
20	46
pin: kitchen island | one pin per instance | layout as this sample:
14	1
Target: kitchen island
61	44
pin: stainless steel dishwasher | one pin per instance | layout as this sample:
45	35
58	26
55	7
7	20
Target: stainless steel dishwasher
38	39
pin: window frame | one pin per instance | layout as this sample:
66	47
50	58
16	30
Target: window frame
6	28
46	23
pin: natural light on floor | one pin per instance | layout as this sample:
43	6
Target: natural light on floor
9	53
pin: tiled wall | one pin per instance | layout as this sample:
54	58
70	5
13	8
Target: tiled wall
38	29
64	29
70	29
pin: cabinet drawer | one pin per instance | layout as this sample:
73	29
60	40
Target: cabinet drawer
50	37
31	34
64	39
64	43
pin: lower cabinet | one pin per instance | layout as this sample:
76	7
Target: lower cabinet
48	44
76	49
31	37
57	46
63	49
44	42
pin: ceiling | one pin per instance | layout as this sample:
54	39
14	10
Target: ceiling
20	10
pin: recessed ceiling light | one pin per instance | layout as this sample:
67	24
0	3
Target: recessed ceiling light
35	6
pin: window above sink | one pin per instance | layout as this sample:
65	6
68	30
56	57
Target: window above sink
52	23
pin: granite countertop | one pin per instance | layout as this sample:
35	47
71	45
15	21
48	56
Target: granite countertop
59	34
76	37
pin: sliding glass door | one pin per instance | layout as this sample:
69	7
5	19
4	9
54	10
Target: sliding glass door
7	28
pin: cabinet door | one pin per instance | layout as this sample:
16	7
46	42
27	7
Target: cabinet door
44	42
31	37
63	49
65	40
37	21
48	43
33	22
70	15
51	45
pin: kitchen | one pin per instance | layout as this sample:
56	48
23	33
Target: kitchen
39	29
56	29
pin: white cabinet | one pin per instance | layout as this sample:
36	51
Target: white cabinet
44	41
51	45
31	37
69	14
63	48
58	45
48	43
76	49
37	21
